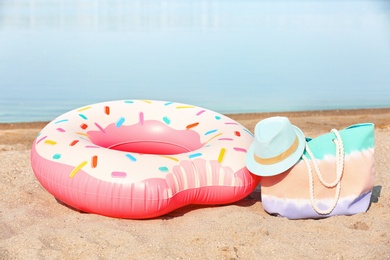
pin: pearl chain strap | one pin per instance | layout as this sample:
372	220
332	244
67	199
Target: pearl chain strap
339	173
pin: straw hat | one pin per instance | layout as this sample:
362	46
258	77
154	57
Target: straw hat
277	146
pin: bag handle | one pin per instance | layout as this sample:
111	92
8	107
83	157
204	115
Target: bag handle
339	172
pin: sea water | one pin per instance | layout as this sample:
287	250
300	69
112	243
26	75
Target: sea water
231	56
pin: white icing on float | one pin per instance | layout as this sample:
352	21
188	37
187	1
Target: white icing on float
142	159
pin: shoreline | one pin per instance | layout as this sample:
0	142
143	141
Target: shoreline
241	116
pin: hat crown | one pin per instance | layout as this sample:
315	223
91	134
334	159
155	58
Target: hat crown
276	147
273	136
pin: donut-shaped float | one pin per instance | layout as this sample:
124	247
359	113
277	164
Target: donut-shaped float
142	159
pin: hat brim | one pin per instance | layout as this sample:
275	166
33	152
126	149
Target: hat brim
277	168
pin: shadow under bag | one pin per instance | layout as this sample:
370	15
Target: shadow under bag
334	176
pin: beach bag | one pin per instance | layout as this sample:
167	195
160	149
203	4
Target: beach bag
335	176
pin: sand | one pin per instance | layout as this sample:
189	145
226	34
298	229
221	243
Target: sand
33	225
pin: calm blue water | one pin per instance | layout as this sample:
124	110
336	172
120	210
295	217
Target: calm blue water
226	55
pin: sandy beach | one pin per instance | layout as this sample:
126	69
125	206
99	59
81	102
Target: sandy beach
34	225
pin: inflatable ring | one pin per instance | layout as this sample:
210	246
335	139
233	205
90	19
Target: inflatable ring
142	159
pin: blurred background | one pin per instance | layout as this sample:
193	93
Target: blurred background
231	56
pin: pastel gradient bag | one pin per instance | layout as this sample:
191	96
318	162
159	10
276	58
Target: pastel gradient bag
335	176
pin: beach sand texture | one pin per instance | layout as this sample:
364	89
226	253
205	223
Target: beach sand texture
33	225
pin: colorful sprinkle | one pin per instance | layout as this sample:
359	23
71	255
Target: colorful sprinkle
94	161
192	125
222	153
217	117
163	169
107	110
84	108
129	101
200	112
132	158
166	120
83	134
61	121
100	128
238	149
78	168
56	156
118	174
231	123
83	116
120	122
147	101
237	133
51	142
84	126
41	139
170	157
215	136
181	107
73	142
60	130
246	130
141	118
225	139
211	131
194	155
168	103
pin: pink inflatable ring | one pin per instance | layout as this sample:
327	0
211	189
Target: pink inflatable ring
142	159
